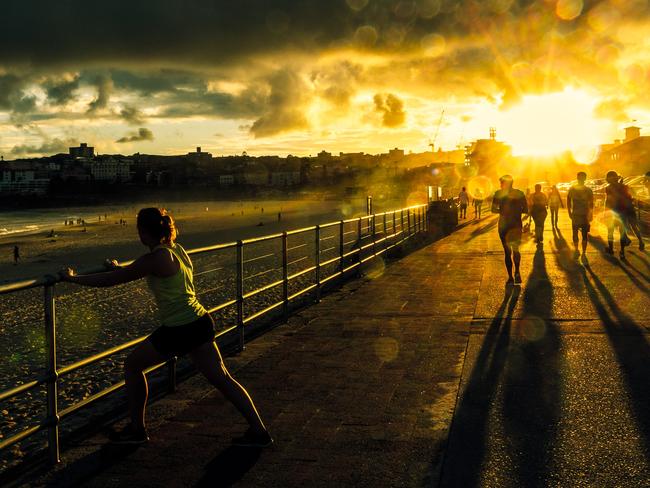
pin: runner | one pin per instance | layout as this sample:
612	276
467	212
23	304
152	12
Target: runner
580	206
510	204
187	327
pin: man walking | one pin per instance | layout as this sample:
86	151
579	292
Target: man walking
510	204
580	205
463	200
617	202
478	203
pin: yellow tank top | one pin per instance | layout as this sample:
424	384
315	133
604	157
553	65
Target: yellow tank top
175	295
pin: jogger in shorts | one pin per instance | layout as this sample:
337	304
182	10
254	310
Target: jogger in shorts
510	204
187	327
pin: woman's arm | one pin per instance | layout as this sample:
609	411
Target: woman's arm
140	268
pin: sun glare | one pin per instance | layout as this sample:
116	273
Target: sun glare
544	125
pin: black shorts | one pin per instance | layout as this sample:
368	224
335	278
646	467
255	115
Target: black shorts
510	235
181	339
580	222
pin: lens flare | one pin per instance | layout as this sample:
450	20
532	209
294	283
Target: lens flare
480	187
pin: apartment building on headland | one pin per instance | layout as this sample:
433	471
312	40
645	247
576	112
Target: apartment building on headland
630	156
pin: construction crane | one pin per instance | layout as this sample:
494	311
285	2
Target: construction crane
435	136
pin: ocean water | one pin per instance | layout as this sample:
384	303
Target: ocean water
35	220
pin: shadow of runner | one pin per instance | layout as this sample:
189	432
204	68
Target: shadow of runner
229	467
531	396
622	264
482	230
467	438
631	347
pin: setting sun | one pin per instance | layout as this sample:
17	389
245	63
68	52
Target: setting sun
544	125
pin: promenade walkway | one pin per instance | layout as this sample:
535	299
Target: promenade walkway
427	372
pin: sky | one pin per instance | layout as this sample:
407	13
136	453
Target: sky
297	77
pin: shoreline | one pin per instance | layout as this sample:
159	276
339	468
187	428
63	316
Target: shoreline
42	254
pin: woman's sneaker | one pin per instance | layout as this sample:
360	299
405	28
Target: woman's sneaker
253	439
129	435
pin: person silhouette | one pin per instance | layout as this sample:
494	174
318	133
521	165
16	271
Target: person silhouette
538	211
580	206
187	327
554	205
510	204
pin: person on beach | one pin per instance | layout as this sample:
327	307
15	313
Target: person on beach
617	203
463	200
510	204
16	255
580	206
478	203
187	327
538	211
554	204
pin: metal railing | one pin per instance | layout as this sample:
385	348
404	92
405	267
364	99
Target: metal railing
356	241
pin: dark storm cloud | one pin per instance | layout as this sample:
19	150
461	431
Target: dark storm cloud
104	85
60	92
391	109
132	115
48	146
205	32
142	134
286	105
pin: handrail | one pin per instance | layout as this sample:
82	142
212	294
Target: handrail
405	223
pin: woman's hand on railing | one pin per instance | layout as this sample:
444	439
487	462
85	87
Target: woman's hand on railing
111	264
67	274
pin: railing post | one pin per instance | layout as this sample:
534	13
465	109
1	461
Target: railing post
52	382
341	246
317	262
360	244
285	277
374	236
171	374
401	224
240	294
408	220
385	233
394	226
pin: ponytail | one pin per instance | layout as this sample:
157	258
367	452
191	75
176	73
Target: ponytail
157	223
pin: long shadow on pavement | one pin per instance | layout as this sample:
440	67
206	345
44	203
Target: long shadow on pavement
229	467
630	346
531	397
467	438
484	229
599	244
85	468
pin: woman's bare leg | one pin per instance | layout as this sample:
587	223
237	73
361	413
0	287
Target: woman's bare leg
209	362
142	357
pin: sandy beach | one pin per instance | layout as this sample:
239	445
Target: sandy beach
199	223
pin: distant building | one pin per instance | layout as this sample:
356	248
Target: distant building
83	151
22	181
484	155
199	156
628	157
111	170
394	155
226	181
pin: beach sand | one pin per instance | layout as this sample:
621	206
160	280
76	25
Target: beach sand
199	224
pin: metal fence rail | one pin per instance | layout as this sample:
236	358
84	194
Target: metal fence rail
347	243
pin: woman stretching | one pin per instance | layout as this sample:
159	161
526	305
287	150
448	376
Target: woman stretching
187	327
